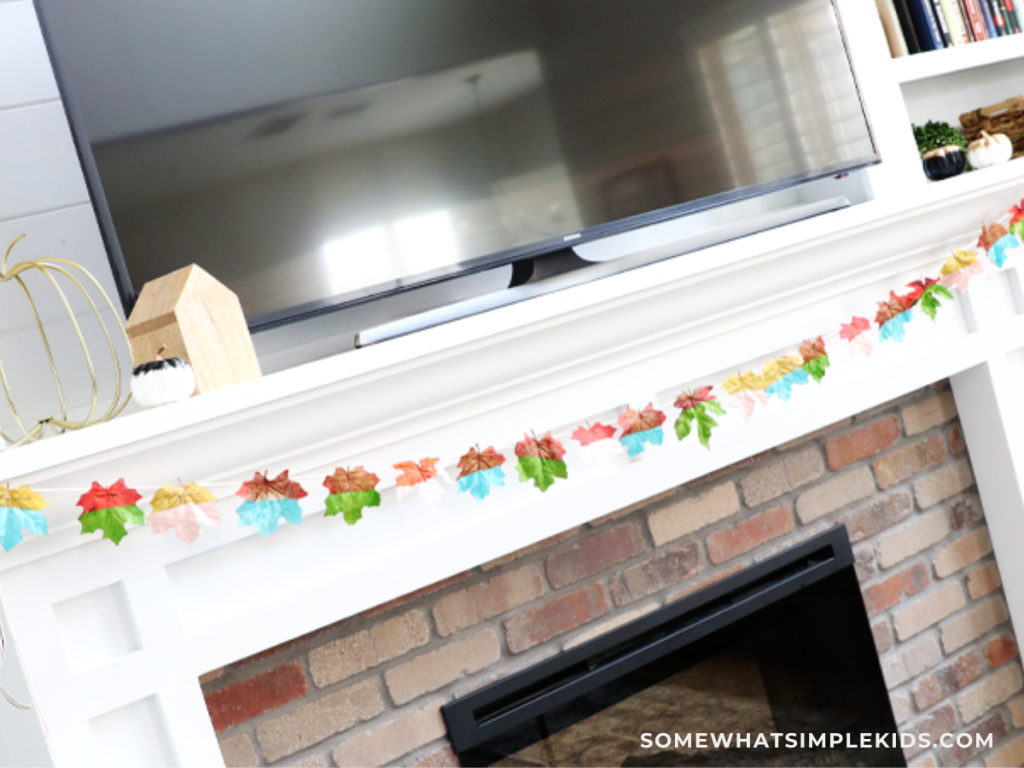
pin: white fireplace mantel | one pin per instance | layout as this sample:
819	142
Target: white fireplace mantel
111	641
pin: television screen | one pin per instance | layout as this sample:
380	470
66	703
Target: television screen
316	153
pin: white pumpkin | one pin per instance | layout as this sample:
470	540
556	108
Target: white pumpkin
990	150
163	381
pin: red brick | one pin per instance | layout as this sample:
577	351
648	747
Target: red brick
1000	650
430	589
562	614
958	756
862	442
886	594
689	589
942	720
246	699
748	534
882	635
593	555
955	436
965	512
908	461
662	570
939	684
877	516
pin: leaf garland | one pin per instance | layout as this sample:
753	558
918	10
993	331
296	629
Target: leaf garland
892	316
929	301
640	428
815	358
540	461
267	501
19	511
695	405
990	235
598	443
782	374
855	332
999	254
479	471
351	491
960	268
183	509
108	509
1017	220
422	476
746	392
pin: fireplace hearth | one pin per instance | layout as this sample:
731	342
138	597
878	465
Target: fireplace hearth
784	647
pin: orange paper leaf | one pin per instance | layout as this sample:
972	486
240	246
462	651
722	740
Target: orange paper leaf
351	480
413	473
262	488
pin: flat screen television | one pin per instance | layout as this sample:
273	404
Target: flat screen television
315	154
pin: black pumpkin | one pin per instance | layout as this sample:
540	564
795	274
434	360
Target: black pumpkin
944	162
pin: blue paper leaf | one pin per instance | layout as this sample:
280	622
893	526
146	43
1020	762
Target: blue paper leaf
636	443
13	521
998	250
265	514
784	387
893	329
479	483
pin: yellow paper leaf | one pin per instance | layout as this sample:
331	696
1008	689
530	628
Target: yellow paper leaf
776	369
21	497
960	259
743	383
171	496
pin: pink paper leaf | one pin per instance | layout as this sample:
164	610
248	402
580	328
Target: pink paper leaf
185	520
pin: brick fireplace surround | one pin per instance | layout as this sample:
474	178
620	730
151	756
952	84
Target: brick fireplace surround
367	690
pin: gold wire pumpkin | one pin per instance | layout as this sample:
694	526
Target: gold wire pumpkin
59	423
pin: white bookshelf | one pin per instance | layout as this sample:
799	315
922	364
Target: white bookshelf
922	66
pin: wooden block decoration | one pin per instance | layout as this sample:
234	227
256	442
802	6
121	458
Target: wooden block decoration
199	319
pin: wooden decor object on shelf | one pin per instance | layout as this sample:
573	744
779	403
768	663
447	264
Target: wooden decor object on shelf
1006	117
196	318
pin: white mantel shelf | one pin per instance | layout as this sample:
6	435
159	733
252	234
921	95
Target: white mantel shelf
547	364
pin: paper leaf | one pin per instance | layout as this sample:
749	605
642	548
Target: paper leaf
813	349
262	488
21	497
861	346
265	514
184	519
745	382
1016	225
478	461
350	481
962	277
604	452
171	496
413	473
961	259
479	483
14	520
351	504
635	443
917	289
111	520
545	448
745	402
854	328
705	422
633	422
784	386
1016	214
990	234
690	398
595	434
929	301
541	470
887	310
894	328
998	253
117	495
431	492
779	367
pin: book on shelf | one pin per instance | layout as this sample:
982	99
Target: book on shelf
891	24
907	26
916	26
925	25
955	22
975	20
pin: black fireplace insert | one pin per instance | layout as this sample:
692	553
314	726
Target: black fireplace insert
773	666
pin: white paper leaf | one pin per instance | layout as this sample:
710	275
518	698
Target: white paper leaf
604	452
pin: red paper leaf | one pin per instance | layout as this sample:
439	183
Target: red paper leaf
351	480
854	328
990	234
545	448
640	421
917	289
262	488
887	310
117	495
477	461
812	350
1017	213
688	399
594	434
413	473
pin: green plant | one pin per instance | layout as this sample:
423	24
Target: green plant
933	135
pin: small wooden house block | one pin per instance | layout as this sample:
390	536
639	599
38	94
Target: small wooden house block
198	319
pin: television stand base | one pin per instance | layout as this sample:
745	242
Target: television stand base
521	291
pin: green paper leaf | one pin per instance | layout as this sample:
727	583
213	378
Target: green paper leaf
351	505
1017	228
816	367
929	300
705	422
704	425
715	407
683	423
111	521
542	471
